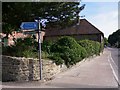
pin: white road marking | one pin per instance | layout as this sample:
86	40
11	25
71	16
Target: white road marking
116	77
113	61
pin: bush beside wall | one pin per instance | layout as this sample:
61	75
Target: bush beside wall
69	50
91	47
65	50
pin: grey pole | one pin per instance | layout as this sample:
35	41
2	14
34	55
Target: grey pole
39	46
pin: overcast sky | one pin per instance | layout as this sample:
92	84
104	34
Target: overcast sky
103	15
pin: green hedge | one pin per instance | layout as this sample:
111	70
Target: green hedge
46	45
23	48
64	50
70	51
56	57
92	47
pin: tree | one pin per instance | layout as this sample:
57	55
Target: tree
59	14
7	29
114	38
105	41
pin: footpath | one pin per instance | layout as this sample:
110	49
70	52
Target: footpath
91	73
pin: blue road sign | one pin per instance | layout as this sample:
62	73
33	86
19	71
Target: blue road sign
29	25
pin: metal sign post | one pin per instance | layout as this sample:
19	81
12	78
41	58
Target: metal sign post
39	46
35	26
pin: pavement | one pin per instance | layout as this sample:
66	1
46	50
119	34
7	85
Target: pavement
94	72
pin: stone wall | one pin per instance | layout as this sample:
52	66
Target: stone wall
27	69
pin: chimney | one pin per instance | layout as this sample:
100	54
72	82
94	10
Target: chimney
79	19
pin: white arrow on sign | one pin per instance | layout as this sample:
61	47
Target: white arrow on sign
29	25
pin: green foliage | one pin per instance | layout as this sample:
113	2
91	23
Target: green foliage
88	46
46	45
101	46
64	43
29	54
59	14
69	50
92	47
56	58
72	56
105	41
44	55
97	48
114	38
64	50
7	29
22	48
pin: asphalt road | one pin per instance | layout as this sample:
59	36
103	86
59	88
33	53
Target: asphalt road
114	62
95	72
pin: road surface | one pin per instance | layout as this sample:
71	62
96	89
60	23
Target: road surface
115	62
93	73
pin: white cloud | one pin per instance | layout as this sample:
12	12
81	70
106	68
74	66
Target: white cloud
106	22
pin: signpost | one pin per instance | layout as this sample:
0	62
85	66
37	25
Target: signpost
29	25
39	45
35	26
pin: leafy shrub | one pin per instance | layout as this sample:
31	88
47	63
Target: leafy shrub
22	48
102	47
105	41
69	50
64	43
88	46
44	55
83	52
96	48
46	45
64	50
9	50
29	54
92	47
56	58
